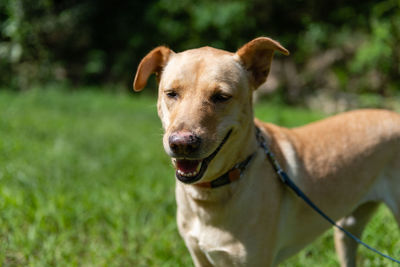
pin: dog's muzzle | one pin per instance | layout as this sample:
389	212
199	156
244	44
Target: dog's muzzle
191	170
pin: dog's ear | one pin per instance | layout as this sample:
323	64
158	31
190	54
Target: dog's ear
153	62
256	57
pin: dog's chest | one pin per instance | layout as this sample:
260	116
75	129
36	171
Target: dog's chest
219	246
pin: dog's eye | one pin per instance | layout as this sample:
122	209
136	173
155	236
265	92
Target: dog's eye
220	98
172	94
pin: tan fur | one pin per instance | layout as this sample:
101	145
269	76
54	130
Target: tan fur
345	163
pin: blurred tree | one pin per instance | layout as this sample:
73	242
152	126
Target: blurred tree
80	41
336	44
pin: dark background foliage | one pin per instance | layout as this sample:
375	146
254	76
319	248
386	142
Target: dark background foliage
336	46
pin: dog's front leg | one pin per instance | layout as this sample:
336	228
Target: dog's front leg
226	256
199	258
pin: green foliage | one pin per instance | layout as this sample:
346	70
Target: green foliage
379	52
101	42
84	181
385	34
82	42
185	24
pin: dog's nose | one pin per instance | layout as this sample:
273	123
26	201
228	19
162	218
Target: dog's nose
184	143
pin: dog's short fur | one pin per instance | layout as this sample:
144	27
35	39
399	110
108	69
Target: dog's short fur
346	164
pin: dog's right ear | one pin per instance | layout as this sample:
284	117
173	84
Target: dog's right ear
153	62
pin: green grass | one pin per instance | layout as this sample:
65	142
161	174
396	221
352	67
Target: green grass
84	181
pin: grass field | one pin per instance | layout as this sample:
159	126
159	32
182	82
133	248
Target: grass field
84	181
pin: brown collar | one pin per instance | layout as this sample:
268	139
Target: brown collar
230	176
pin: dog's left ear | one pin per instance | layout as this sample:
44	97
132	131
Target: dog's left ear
256	57
153	62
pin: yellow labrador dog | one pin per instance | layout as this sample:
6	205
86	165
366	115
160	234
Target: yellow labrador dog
232	208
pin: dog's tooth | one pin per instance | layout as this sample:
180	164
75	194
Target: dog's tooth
198	167
188	174
184	173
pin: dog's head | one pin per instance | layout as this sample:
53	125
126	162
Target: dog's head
205	103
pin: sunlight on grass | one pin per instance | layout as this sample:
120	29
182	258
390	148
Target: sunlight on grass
84	181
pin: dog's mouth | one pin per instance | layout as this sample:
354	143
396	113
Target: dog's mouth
191	170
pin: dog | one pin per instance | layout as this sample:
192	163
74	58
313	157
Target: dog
232	210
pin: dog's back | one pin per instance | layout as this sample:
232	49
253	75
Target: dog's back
349	139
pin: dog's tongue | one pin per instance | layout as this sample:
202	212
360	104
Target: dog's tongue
188	167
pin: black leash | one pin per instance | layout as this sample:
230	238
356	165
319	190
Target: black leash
286	180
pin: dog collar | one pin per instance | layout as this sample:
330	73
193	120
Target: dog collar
230	176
